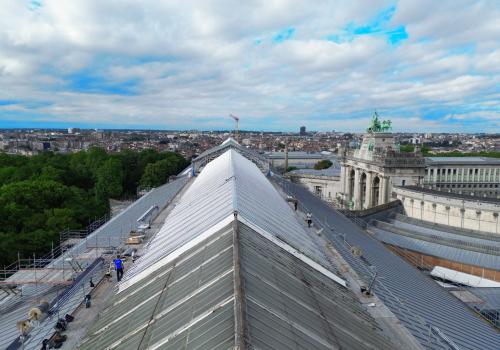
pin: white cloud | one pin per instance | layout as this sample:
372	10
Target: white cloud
192	60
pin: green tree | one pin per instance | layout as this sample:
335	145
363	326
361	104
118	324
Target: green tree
157	174
323	164
47	193
110	179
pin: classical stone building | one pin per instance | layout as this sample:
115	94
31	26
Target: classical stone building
324	183
296	159
476	176
450	209
369	172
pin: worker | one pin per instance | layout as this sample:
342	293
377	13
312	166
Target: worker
309	219
295	204
119	268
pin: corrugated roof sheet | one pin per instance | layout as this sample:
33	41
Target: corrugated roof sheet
189	304
191	300
229	143
428	231
227	184
290	305
171	299
438	250
414	298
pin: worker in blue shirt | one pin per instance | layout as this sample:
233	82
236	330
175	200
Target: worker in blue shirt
119	268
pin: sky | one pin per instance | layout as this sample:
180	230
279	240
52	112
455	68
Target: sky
429	66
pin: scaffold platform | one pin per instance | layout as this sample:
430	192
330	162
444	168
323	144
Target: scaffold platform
39	276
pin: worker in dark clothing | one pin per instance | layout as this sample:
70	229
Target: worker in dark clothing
295	204
309	219
119	268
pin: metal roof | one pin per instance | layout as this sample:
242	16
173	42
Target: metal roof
334	170
437	319
290	305
176	304
438	249
230	143
296	155
214	280
462	278
190	303
481	241
231	183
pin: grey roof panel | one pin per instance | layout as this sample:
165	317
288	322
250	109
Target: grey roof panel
438	250
227	184
288	302
415	299
189	302
173	296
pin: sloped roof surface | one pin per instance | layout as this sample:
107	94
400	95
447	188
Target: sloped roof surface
290	305
417	301
227	184
190	303
239	281
438	250
192	294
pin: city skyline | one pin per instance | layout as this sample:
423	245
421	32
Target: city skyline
280	65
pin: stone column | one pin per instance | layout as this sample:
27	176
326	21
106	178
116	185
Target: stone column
369	189
384	187
357	189
343	181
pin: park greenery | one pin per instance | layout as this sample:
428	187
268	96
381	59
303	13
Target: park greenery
323	164
426	151
45	194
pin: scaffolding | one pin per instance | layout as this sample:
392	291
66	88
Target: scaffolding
59	267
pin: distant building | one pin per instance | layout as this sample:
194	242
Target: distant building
370	171
73	130
295	159
451	209
303	131
477	176
323	183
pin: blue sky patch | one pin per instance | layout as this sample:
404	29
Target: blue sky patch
8	102
35	5
284	35
396	35
377	25
88	83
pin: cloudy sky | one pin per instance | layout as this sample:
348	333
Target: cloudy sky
427	65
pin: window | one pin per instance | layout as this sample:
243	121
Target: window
449	171
403	182
475	171
454	171
318	190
